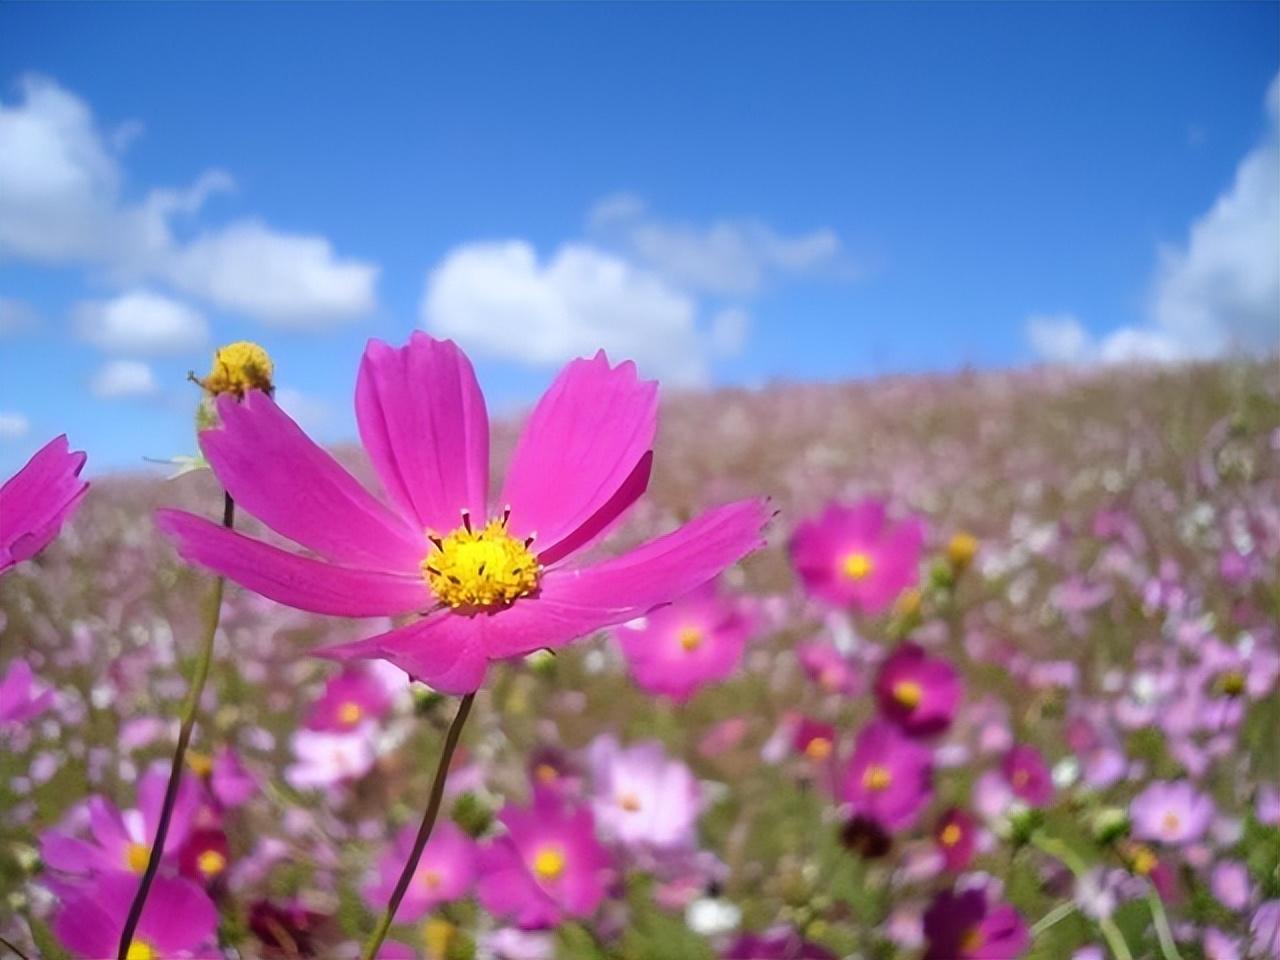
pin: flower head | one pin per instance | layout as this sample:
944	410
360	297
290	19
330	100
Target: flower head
238	368
918	692
350	699
641	797
21	697
445	872
1172	812
964	926
485	579
889	778
1028	775
37	500
178	921
956	836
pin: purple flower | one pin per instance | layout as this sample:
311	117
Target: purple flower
350	699
1171	812
828	668
1264	929
889	778
1028	775
21	697
179	920
37	500
446	871
956	836
231	783
964	926
641	797
918	692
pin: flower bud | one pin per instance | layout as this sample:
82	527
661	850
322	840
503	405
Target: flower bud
238	368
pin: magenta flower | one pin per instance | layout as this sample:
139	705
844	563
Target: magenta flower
351	698
964	926
956	835
918	692
446	871
1028	775
780	943
678	649
179	920
642	798
231	784
828	668
21	697
852	557
492	579
814	739
889	779
37	500
548	866
1172	812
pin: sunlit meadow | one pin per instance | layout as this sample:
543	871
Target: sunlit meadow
1000	682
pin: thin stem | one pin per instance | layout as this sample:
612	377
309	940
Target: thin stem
1060	912
1163	930
424	831
1071	860
17	952
190	706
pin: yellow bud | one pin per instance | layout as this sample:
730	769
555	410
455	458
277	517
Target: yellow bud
238	368
961	550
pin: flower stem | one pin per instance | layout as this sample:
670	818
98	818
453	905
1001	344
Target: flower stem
1060	912
1163	930
424	831
213	612
1071	860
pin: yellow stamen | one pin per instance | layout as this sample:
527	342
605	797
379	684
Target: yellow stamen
819	748
349	713
1170	823
238	368
972	941
858	565
690	638
136	856
908	693
961	549
1142	860
877	777
140	950
548	864
430	878
545	773
201	764
211	863
950	835
1232	684
629	802
480	569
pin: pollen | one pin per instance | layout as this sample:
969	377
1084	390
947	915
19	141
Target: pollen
238	368
140	950
972	941
474	570
430	878
690	639
1170	823
211	863
1142	860
908	693
858	565
201	764
877	777
548	863
136	856
629	802
819	748
546	773
950	835
1232	684
349	713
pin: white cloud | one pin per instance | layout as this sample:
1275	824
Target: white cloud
61	202
123	378
729	330
140	321
13	426
1059	338
17	315
498	300
1217	293
729	257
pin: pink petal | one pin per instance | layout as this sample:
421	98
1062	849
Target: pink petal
36	501
445	650
279	475
580	447
423	422
288	578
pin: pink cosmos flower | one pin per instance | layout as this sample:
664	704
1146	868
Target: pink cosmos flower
1028	775
548	866
828	668
37	500
779	943
956	835
889	778
205	856
964	926
326	759
231	784
351	698
852	556
493	579
695	641
1172	812
813	739
21	697
446	871
178	921
642	798
918	692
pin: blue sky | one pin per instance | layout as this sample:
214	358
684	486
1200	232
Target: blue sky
730	193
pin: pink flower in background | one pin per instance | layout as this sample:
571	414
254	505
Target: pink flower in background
490	578
1028	775
889	778
956	836
547	867
37	500
813	739
918	692
21	697
851	556
205	856
828	668
641	797
121	840
780	943
351	698
446	871
1172	812
231	784
964	926
179	920
695	641
326	759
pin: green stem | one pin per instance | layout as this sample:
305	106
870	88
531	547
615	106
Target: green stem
190	706
424	831
1163	930
1071	860
1060	912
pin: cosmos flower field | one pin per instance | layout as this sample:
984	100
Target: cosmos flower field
972	666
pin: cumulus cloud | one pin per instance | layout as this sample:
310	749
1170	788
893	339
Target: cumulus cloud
498	300
1217	292
729	257
17	315
1059	337
61	202
13	426
140	321
123	378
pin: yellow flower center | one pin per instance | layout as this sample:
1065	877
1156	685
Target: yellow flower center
1170	822
349	713
136	856
238	368
972	940
962	548
908	693
430	878
690	638
201	764
877	777
140	950
545	773
438	935
1143	860
211	863
1020	778
481	569
819	748
548	864
629	802
950	835
1232	684
858	565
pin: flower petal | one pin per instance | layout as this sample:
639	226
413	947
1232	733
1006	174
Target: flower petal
581	445
294	486
288	578
445	650
423	422
36	501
